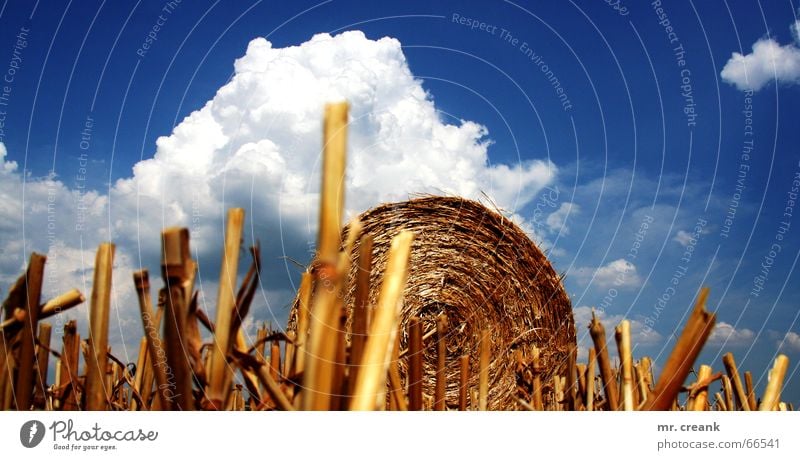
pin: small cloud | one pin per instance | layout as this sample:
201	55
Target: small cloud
557	220
726	334
790	342
769	60
640	334
684	238
619	274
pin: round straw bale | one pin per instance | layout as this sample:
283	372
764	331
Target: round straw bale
482	271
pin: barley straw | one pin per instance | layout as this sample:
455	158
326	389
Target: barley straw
701	391
570	383
483	387
581	370
23	390
324	319
751	394
306	283
397	397
219	372
683	356
772	394
590	372
141	365
415	364
598	333
52	307
623	335
42	359
361	307
377	352
176	270
463	383
141	281
70	355
441	359
642	388
727	391
96	392
719	402
733	374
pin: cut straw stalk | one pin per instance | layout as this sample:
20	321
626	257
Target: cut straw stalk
158	364
42	360
733	373
176	269
339	393
5	371
581	370
483	376
414	364
463	398
371	381
642	389
96	391
141	365
319	368
273	388
358	336
321	377
598	333
590	365
219	372
772	394
727	388
441	359
70	355
397	396
701	394
334	146
751	394
306	283
683	356
570	381
50	308
623	336
719	402
275	360
537	400
289	357
23	390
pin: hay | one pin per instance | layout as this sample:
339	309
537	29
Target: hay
482	271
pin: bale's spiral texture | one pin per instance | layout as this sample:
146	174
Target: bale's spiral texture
482	271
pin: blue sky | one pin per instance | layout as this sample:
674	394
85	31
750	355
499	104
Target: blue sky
624	149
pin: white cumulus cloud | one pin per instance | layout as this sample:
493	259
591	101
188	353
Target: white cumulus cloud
557	220
257	144
768	61
619	274
790	342
726	334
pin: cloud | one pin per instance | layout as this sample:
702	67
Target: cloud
619	274
640	334
768	61
256	144
727	335
683	238
557	220
790	342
